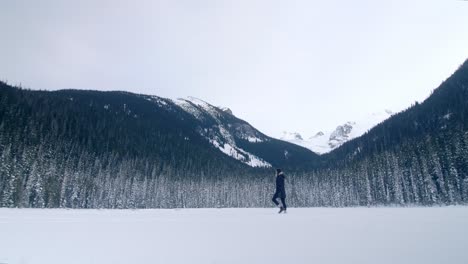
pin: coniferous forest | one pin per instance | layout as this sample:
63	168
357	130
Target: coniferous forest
89	149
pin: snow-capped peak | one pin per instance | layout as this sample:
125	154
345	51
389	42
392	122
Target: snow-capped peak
324	142
291	136
226	110
319	134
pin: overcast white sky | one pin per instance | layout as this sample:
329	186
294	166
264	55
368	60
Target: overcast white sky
281	65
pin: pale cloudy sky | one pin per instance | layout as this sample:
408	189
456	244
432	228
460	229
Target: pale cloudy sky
281	65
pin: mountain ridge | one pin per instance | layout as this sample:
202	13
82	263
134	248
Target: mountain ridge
225	132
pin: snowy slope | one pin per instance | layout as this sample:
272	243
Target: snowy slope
221	133
199	236
326	141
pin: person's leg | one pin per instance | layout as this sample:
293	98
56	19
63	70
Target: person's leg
283	201
274	199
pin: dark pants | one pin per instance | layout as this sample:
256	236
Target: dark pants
282	197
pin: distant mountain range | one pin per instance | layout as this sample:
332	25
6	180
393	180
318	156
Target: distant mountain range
325	141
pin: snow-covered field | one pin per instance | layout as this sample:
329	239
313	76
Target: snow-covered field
355	235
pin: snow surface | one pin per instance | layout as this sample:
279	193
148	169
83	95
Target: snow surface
320	235
211	110
324	142
187	107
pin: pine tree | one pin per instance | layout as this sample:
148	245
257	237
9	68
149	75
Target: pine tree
430	189
8	199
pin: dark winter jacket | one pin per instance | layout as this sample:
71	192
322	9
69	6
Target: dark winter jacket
280	185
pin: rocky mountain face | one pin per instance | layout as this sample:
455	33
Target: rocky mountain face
223	130
291	136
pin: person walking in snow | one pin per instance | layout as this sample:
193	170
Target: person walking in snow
280	191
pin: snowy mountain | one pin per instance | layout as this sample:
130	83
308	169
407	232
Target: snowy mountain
232	136
324	142
221	134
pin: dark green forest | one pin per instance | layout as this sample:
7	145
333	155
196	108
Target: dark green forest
90	149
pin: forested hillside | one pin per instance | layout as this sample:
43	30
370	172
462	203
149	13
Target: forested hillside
75	148
89	149
417	156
